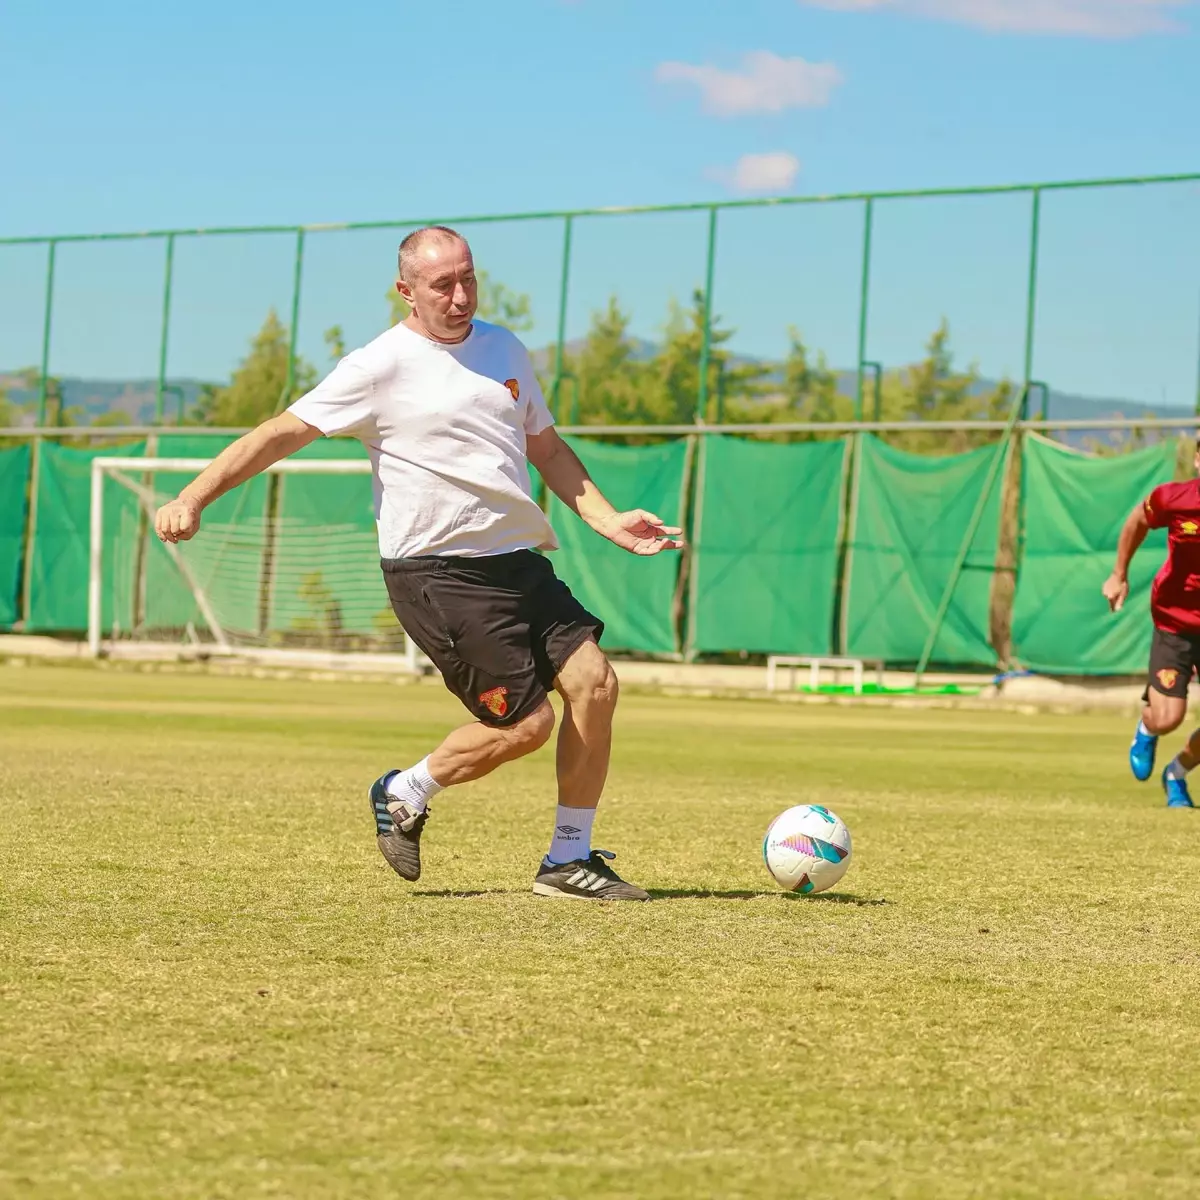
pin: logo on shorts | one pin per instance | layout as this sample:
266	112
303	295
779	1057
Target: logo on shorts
1189	528
495	700
1167	677
514	387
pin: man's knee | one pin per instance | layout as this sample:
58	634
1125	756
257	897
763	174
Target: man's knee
532	732
588	678
1166	712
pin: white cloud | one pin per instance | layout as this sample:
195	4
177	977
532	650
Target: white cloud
1079	18
766	83
775	171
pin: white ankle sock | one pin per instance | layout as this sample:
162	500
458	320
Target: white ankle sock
415	786
572	834
1143	730
1175	769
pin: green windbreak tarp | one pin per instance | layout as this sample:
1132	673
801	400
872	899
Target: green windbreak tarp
326	579
225	558
59	569
1074	507
633	596
910	515
14	482
765	559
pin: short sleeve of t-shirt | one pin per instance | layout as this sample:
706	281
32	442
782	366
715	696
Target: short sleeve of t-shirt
1159	506
343	402
537	414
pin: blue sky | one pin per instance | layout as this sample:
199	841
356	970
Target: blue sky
139	115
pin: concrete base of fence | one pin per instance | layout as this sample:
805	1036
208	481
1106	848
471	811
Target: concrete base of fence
1034	693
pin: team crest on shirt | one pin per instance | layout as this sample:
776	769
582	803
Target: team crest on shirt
1189	528
1167	677
495	700
513	386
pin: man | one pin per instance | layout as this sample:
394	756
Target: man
449	410
1175	608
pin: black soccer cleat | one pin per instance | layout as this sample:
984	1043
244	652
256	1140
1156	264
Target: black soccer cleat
588	878
398	833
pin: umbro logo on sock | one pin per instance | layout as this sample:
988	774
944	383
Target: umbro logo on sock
568	830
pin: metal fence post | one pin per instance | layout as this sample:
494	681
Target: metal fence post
293	332
166	327
864	296
1035	217
706	333
47	321
563	289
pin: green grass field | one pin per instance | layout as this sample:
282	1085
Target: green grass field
211	985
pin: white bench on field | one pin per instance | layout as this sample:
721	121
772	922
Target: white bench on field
792	662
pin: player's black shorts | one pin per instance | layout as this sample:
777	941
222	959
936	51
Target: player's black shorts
499	629
1173	658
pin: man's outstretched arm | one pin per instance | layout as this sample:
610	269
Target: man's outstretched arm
179	519
1133	533
637	531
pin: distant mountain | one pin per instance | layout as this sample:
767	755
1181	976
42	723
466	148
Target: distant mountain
133	397
136	397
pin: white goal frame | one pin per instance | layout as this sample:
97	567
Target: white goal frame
117	466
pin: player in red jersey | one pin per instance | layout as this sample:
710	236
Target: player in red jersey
1175	608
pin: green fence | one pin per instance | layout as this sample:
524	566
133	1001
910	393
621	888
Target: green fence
854	271
58	562
1074	507
14	488
767	531
911	515
634	596
840	546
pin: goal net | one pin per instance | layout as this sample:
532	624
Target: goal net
285	566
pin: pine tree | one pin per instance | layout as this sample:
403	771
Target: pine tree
258	388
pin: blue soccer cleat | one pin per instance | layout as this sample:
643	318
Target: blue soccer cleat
1141	754
1177	792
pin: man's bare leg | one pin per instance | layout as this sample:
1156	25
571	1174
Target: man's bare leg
1164	714
572	870
399	800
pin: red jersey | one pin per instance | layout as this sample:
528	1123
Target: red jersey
1175	596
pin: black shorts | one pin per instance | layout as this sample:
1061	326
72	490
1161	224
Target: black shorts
499	629
1173	658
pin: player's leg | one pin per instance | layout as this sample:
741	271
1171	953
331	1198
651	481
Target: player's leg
400	799
469	619
588	687
1164	700
1175	773
566	651
1174	776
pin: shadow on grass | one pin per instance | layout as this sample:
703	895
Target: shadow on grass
679	894
456	894
751	894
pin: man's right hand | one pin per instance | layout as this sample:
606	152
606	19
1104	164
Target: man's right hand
1116	589
177	520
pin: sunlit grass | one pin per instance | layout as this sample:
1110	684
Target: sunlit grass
211	985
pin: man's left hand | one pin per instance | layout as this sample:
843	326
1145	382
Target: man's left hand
639	532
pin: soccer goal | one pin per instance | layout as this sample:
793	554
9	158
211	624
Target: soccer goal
285	568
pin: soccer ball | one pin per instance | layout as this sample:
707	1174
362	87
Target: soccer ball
807	849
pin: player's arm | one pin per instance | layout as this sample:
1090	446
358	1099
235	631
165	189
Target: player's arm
637	531
179	519
1133	534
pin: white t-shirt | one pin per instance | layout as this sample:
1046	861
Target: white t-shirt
445	428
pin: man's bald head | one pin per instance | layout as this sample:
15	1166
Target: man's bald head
437	281
422	244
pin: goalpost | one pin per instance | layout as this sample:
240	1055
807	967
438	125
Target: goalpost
284	569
